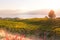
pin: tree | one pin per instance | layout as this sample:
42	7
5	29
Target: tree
52	14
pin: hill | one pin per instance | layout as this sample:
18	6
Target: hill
29	26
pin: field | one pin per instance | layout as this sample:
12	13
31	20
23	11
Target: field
33	26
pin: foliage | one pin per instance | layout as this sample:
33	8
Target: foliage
52	14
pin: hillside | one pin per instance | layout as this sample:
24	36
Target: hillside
29	26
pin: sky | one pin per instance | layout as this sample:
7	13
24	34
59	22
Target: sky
22	6
29	4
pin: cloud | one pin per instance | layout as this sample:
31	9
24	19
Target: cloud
23	14
9	11
38	12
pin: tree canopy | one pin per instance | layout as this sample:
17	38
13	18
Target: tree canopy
51	14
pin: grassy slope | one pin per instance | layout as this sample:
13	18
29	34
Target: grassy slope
29	25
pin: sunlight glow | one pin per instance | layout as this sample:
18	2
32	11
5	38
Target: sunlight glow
53	4
41	4
29	5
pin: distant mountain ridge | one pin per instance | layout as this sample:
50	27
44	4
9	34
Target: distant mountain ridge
19	13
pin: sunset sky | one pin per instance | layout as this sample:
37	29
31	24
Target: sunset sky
22	6
29	4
